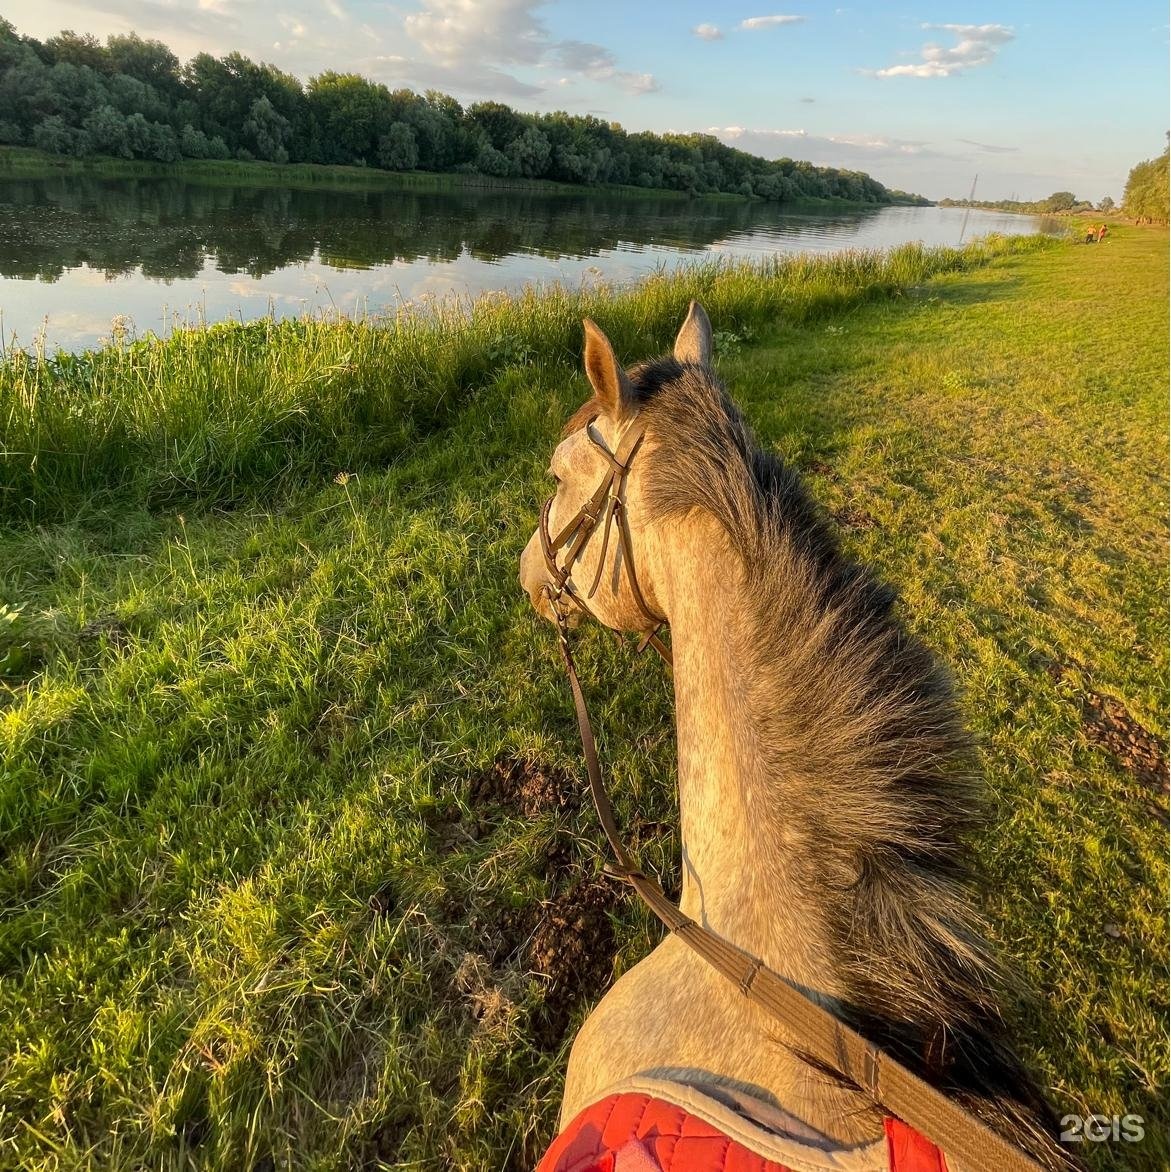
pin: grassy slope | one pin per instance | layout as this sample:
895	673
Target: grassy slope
226	732
25	162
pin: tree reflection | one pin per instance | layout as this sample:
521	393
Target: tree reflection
171	228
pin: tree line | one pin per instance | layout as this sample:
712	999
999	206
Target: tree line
1146	196
131	98
1051	205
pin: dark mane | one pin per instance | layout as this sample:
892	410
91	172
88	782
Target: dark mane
866	753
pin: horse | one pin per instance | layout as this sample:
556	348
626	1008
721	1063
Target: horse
827	793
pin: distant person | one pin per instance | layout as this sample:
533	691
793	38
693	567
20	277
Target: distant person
1091	234
1101	233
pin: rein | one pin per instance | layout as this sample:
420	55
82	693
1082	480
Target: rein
812	1030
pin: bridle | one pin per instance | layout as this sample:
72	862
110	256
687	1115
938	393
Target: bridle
606	506
810	1029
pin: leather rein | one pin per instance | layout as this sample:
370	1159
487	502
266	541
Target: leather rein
810	1029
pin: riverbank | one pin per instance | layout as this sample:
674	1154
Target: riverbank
27	163
210	413
296	865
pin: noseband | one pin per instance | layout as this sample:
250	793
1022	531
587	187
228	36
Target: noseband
605	507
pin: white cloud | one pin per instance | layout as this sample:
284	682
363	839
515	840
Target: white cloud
991	148
166	19
638	83
708	32
334	9
597	63
833	150
478	81
505	32
755	22
976	44
482	35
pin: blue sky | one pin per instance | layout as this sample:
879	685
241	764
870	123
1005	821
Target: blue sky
1034	97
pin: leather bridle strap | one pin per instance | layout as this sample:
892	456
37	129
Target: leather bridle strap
606	506
809	1029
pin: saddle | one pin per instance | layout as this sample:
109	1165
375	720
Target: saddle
652	1125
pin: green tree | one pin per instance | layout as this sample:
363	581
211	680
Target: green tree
150	62
350	116
490	161
266	132
53	136
397	148
107	131
1059	201
499	122
80	49
1146	194
130	97
530	153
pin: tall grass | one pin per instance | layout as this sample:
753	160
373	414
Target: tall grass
25	162
216	410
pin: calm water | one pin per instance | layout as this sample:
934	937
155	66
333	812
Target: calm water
76	252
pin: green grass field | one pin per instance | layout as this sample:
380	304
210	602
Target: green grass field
295	868
29	163
26	162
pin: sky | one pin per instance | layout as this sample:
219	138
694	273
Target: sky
1032	96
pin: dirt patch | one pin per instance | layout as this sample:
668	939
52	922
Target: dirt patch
503	933
451	831
108	627
854	518
490	1006
384	1145
572	946
821	468
529	786
1109	726
383	902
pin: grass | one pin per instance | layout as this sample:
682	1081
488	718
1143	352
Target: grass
26	162
213	412
29	163
260	637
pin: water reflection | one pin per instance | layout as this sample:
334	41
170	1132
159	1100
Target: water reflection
77	250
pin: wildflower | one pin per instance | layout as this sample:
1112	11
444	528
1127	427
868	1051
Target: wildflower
342	478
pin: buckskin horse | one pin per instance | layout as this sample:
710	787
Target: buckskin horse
825	999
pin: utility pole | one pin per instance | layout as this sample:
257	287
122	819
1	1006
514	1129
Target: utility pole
967	210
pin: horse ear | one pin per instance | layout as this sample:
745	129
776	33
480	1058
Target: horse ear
694	342
611	386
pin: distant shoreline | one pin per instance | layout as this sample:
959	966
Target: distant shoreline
28	163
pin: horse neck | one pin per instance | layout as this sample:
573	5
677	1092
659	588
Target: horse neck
742	859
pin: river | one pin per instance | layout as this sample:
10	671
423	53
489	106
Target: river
78	252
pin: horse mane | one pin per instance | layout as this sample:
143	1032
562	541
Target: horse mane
865	751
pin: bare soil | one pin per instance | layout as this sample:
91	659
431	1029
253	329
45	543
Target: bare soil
854	518
530	786
1141	753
